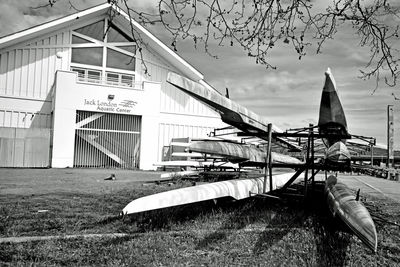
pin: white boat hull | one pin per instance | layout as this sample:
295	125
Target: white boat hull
237	189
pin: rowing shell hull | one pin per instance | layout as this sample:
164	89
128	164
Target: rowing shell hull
338	155
231	112
240	152
331	115
197	164
342	203
237	189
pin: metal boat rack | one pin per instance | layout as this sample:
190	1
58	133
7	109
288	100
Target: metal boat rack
306	139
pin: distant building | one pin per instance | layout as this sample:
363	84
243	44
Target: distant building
75	95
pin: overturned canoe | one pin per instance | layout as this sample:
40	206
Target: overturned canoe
240	152
352	212
237	189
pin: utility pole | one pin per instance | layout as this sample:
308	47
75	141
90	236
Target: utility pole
371	147
390	136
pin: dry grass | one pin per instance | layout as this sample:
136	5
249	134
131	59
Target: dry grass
249	232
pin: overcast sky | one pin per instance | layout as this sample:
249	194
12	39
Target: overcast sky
289	96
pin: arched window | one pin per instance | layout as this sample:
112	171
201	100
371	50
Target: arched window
101	52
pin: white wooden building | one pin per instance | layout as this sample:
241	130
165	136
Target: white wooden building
73	94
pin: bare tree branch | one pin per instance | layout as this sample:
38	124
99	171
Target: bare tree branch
50	3
258	26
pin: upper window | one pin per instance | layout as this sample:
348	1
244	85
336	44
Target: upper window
119	60
89	48
79	40
95	30
129	48
116	35
87	55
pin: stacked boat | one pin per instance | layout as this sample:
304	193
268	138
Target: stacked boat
341	201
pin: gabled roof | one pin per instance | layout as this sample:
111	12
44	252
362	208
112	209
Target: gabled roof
173	58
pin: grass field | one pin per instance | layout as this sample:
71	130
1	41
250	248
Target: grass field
256	231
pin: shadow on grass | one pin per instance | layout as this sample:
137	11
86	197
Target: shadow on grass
168	218
332	236
241	214
326	241
292	218
280	218
331	242
237	218
277	217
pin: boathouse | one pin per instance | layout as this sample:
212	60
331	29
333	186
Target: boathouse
74	93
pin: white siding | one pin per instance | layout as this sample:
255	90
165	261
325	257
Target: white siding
24	147
22	119
172	100
28	71
167	131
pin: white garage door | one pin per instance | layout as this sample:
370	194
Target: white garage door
105	140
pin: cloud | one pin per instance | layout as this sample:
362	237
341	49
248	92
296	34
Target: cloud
20	15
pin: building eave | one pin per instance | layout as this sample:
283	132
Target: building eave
51	26
172	57
159	47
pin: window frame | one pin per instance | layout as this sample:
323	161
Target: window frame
120	81
115	46
100	52
85	77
